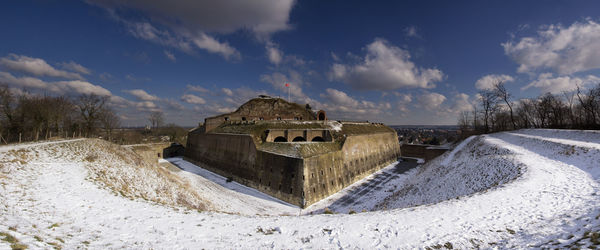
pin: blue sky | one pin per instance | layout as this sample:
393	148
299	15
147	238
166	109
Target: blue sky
397	62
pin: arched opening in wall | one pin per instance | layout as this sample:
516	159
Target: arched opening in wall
318	139
321	116
243	118
280	139
226	118
299	138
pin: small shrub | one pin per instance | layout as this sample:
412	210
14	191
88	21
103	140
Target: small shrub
351	211
327	211
18	246
229	179
14	242
448	245
55	245
53	225
267	231
91	157
595	238
8	238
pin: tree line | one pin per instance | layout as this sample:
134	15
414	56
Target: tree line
497	111
27	117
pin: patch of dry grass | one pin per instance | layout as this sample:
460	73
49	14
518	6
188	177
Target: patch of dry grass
14	242
130	175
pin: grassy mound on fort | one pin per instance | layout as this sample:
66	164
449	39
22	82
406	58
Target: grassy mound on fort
111	166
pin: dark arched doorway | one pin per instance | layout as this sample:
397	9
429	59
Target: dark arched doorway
321	116
299	138
280	139
318	139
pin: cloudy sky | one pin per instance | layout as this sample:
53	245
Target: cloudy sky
417	62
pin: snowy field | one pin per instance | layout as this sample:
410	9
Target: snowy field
519	189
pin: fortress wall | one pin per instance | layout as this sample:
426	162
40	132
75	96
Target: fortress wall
431	153
426	152
321	173
414	150
235	156
360	156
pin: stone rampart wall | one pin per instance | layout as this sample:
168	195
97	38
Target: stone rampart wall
360	156
236	156
295	180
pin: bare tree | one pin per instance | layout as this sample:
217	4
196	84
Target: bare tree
590	105
7	103
156	119
489	101
503	94
464	120
90	107
109	120
569	97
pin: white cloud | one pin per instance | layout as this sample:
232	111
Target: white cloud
278	81
35	66
488	81
192	99
211	44
227	91
190	22
403	101
546	82
411	31
385	67
59	87
170	56
76	67
404	98
174	105
197	88
565	50
184	41
80	87
23	82
337	97
142	95
241	95
462	102
339	103
215	109
274	54
430	100
146	106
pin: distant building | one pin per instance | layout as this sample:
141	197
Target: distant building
290	152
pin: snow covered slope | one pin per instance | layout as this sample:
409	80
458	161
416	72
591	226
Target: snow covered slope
523	189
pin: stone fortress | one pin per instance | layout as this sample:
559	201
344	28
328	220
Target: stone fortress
290	152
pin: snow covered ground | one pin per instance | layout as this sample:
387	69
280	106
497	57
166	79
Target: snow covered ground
519	189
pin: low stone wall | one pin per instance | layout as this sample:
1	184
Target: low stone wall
150	152
427	152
